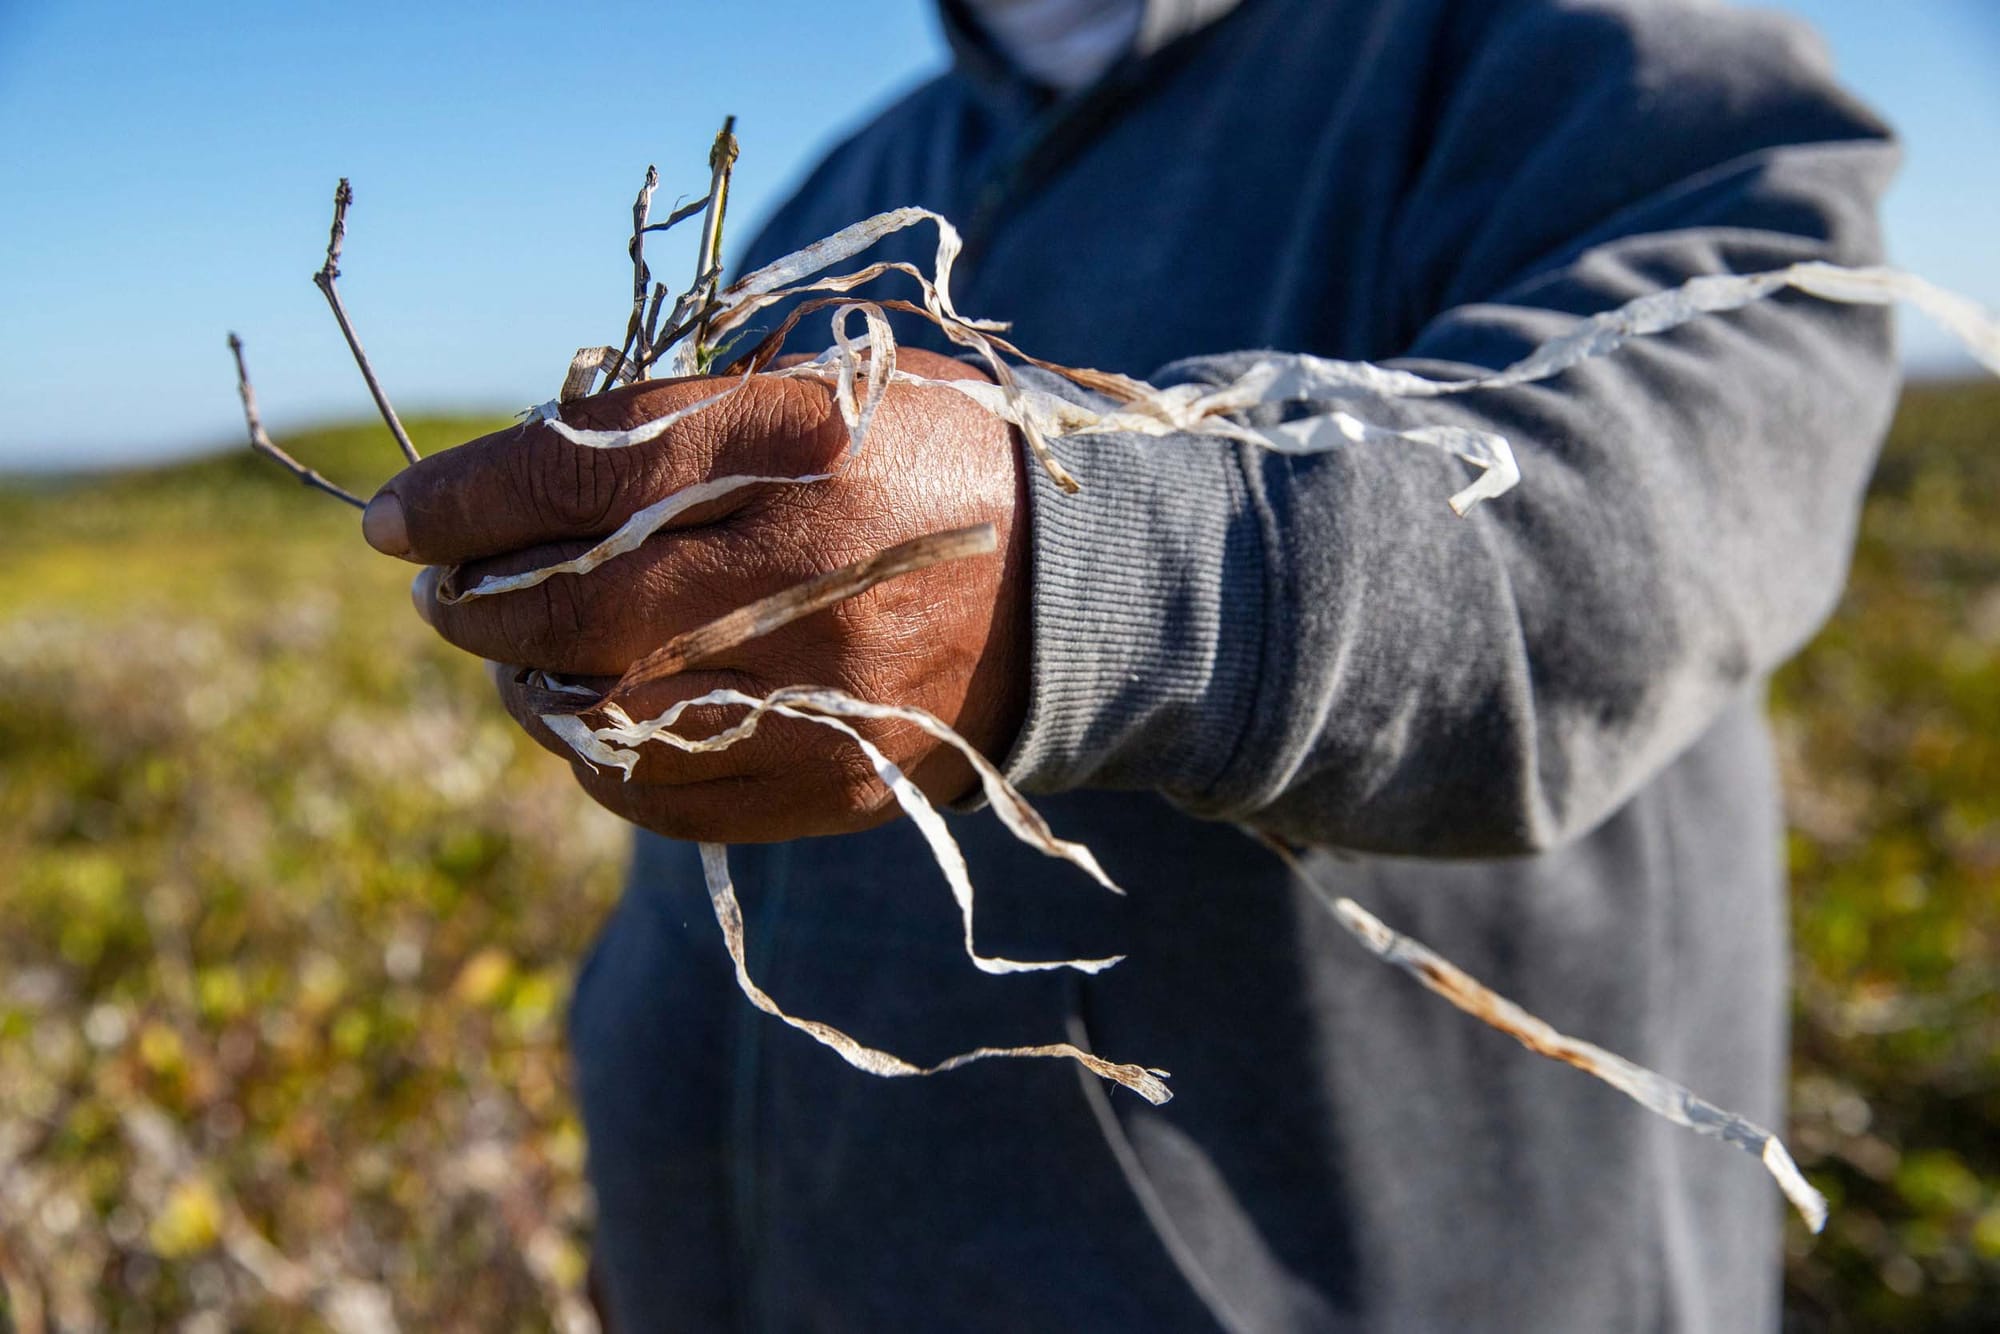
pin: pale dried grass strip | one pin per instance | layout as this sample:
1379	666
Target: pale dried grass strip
784	278
802	599
1311	378
629	535
1148	1083
944	849
1009	806
615	746
1651	1090
857	408
643	433
1172	413
1013	810
760	287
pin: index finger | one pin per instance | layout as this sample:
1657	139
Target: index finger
528	485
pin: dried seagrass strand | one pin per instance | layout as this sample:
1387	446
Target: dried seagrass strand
803	599
725	632
1651	1090
630	535
1147	1083
614	745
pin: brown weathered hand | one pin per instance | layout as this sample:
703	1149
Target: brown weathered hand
951	639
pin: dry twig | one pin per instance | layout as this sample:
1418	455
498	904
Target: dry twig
264	445
680	214
325	280
708	261
637	328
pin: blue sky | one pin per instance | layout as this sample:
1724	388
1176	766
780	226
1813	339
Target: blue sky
165	176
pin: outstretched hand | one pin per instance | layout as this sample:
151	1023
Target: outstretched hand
951	639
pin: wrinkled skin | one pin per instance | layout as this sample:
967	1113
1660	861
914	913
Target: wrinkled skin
951	639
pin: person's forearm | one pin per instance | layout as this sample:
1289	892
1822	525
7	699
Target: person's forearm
1319	647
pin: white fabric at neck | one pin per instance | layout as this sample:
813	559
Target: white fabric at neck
1065	44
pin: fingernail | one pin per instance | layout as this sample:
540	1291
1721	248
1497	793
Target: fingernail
423	595
382	525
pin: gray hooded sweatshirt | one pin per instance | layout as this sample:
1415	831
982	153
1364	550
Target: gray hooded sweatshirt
1532	737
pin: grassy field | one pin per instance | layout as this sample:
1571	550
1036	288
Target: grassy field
288	915
1890	724
289	920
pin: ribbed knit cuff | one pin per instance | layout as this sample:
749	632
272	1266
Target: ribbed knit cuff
1148	613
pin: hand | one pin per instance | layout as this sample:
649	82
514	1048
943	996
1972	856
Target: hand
951	639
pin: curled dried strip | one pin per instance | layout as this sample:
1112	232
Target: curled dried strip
616	746
944	848
847	282
1651	1090
1966	320
643	433
1312	378
761	287
613	747
623	734
1149	1084
583	371
1332	428
785	278
1717	293
858	410
1023	821
1182	413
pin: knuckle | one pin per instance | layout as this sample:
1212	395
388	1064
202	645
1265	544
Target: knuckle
571	488
543	625
793	418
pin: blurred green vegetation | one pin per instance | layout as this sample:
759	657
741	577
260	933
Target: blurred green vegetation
288	916
1890	728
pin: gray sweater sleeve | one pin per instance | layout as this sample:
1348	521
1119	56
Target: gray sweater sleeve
1318	647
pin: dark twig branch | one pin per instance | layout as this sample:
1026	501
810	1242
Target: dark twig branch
343	196
262	443
679	215
685	317
635	328
649	340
